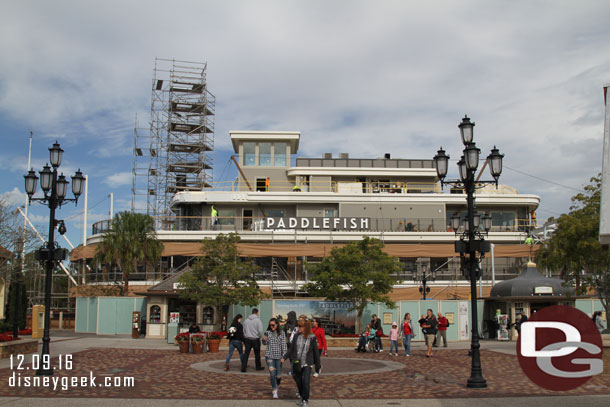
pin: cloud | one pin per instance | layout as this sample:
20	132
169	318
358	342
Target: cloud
15	197
118	179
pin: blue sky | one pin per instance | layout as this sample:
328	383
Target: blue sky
352	76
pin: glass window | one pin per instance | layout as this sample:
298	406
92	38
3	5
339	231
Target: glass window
249	153
264	154
226	216
275	213
279	153
503	220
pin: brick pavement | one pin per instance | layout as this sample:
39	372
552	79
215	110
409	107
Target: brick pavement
166	374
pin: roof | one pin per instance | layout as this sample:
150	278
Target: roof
530	283
250	135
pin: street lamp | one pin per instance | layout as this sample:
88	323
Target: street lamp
424	276
471	239
54	188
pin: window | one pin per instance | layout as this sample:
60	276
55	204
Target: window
226	216
155	314
249	153
279	154
275	213
264	154
503	220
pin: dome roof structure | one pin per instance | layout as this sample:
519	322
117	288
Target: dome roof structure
531	283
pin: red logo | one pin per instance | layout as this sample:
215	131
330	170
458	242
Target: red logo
560	348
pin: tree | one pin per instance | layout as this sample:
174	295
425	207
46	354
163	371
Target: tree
220	277
359	272
574	248
130	240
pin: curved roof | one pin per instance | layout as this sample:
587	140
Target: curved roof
531	283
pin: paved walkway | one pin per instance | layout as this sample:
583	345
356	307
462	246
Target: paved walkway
161	372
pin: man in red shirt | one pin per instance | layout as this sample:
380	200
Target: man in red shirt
443	323
318	331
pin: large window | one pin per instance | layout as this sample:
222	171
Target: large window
226	216
249	153
264	154
503	221
279	153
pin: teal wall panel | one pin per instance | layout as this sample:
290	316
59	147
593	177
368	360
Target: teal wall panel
81	314
107	315
92	321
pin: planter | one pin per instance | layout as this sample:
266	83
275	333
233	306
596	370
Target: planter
184	346
198	347
213	345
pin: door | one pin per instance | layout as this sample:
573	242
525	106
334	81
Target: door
247	219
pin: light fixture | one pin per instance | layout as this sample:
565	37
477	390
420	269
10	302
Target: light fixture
476	220
466	130
77	183
463	169
441	163
495	163
455	222
30	182
46	177
487	222
62	186
56	153
471	156
62	228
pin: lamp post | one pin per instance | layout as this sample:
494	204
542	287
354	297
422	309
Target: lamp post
54	188
424	276
471	238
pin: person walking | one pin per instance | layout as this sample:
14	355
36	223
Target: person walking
275	341
304	353
253	331
443	323
407	333
376	324
394	339
235	335
429	328
318	331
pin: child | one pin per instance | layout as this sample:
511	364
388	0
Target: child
394	339
363	340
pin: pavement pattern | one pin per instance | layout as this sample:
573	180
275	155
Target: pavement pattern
168	374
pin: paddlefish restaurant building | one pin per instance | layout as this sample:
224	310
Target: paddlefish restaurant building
290	211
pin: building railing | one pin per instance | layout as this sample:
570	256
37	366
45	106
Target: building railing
345	187
257	224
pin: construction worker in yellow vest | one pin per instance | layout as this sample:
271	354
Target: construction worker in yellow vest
214	216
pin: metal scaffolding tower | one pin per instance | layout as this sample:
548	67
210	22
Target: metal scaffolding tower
174	154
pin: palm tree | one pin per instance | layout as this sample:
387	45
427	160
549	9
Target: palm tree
130	240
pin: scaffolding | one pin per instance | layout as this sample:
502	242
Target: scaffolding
174	155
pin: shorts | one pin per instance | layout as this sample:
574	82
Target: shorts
429	339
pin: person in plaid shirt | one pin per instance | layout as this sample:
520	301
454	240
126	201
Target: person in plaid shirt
275	339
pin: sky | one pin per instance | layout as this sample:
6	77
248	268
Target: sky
361	77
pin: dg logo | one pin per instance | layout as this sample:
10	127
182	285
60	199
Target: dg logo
560	348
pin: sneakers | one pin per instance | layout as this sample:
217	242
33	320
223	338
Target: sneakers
226	367
316	374
299	402
380	350
298	396
305	404
275	394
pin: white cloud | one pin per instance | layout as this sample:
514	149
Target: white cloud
118	179
15	197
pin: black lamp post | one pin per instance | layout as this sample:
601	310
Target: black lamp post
54	188
471	242
424	276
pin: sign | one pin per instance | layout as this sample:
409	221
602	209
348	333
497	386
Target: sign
387	318
463	320
177	286
174	317
317	223
334	316
450	317
560	348
543	290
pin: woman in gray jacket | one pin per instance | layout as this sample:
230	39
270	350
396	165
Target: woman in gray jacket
303	352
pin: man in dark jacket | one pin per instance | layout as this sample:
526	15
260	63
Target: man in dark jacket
430	331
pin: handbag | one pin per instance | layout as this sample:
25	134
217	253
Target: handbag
296	367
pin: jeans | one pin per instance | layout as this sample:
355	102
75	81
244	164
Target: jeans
235	344
394	345
252	344
302	381
406	342
275	371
